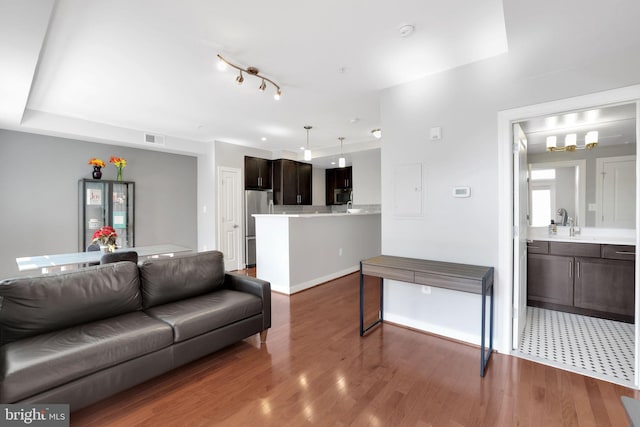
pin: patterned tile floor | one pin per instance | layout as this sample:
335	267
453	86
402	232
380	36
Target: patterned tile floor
588	344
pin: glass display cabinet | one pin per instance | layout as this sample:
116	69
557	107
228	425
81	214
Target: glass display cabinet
104	202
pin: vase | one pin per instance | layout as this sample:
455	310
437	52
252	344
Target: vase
97	172
119	177
104	249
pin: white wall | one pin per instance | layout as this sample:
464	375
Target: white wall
366	177
465	102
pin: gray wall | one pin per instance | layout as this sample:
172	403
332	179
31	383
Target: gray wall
39	189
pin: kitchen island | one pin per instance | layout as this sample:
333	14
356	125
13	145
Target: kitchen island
296	252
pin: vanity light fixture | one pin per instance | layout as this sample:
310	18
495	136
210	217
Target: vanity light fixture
223	64
570	142
377	133
307	151
342	162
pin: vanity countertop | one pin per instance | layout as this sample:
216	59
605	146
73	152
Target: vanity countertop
586	235
316	215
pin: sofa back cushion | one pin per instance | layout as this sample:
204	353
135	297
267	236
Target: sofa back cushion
165	280
34	305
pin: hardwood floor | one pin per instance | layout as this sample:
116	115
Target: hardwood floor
316	370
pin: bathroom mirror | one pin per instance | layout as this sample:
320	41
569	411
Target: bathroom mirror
595	187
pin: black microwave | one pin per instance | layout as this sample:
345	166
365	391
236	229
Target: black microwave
341	197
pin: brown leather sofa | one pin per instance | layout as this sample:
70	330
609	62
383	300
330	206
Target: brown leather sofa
78	337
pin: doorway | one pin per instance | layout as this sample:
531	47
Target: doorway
230	217
509	214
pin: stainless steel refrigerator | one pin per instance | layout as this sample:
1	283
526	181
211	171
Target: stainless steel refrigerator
255	202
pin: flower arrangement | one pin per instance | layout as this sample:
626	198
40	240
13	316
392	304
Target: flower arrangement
118	162
97	163
106	236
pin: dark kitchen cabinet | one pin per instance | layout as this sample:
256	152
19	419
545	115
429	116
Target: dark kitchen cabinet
340	180
257	173
343	177
292	182
550	279
583	278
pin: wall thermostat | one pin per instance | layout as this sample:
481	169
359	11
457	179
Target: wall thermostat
461	192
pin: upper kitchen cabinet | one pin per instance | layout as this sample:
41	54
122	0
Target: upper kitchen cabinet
343	178
257	173
338	185
291	182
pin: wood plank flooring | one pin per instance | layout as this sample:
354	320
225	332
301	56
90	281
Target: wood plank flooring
316	370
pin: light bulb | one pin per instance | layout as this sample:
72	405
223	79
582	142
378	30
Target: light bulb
591	140
277	95
570	142
222	66
551	143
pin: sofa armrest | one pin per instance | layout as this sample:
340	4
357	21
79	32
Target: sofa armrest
258	287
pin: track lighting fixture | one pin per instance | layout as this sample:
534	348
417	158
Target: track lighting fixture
307	151
342	162
253	71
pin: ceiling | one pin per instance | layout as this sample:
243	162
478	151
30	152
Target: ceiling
616	125
150	65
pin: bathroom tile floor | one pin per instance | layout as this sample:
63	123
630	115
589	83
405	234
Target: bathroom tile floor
588	345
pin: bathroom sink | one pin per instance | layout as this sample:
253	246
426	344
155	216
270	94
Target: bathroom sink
352	211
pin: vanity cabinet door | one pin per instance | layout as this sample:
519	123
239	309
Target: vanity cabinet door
550	279
605	285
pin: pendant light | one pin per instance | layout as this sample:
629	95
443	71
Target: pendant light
307	151
342	162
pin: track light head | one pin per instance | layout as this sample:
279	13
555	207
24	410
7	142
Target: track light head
263	86
277	95
240	79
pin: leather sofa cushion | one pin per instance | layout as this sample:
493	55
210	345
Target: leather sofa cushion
195	316
39	363
172	279
34	305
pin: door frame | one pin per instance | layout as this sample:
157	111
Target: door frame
504	268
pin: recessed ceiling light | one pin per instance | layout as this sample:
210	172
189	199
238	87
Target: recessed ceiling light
302	148
406	30
354	120
333	163
264	138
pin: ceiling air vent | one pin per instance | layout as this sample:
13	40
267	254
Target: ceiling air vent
150	138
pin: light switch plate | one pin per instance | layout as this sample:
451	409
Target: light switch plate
435	133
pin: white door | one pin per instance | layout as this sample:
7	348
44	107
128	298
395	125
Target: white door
616	192
230	217
520	222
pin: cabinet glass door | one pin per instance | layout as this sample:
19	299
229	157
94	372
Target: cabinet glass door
104	202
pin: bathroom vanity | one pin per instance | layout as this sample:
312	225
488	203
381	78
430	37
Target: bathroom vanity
594	279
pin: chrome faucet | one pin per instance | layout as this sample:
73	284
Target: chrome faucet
562	213
270	207
349	203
